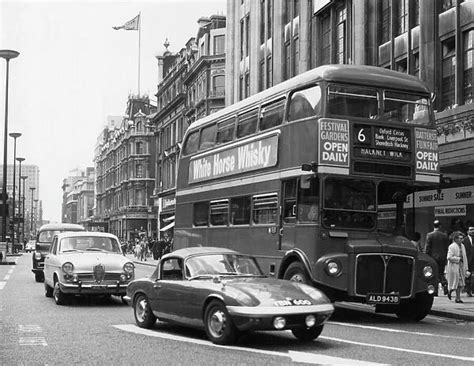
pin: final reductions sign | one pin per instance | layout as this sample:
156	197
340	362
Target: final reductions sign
333	145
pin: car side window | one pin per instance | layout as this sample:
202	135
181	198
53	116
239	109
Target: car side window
172	269
54	246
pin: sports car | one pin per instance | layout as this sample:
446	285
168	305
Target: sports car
86	263
225	293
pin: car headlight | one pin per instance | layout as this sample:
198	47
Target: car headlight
428	271
68	268
128	267
333	268
37	256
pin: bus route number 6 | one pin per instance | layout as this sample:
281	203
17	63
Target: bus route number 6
363	135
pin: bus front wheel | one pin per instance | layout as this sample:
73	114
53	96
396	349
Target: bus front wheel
416	309
296	272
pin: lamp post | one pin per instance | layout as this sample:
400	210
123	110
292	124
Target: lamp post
36	216
20	160
7	55
14	135
24	178
32	189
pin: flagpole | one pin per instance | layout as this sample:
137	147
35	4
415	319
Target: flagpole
139	43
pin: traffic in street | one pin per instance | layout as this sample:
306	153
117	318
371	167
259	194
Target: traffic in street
34	330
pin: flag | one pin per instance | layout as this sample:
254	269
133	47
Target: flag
130	25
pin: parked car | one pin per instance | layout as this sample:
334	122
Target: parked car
225	293
43	242
86	263
30	246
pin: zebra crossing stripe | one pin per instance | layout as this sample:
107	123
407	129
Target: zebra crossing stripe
32	341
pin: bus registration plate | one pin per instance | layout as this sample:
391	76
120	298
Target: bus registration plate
374	298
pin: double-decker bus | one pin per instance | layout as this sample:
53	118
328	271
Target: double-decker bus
311	177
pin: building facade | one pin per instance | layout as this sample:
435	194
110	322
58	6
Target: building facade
125	174
269	41
191	85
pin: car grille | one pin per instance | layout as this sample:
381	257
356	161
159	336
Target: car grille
384	273
89	277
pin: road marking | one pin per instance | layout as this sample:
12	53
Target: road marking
456	357
2	284
310	358
6	278
30	328
33	341
10	271
398	331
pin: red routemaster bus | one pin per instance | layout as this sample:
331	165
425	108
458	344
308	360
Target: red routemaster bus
311	176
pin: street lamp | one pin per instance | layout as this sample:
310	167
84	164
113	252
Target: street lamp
36	216
15	135
7	55
23	177
20	160
32	189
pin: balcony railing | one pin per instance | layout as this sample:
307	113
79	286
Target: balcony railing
455	124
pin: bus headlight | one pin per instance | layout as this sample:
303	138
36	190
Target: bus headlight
333	268
428	271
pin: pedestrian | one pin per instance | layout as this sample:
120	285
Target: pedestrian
469	246
457	267
437	243
417	241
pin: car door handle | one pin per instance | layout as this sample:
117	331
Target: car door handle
157	285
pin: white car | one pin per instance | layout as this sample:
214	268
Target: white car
86	263
30	246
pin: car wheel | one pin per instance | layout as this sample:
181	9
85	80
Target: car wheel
296	272
219	326
144	316
39	277
48	290
307	334
60	298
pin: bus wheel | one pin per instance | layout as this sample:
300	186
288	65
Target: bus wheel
416	309
296	272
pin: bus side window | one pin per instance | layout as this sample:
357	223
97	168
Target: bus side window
191	144
289	201
272	114
208	137
247	123
308	199
240	210
265	208
225	131
219	212
201	214
305	103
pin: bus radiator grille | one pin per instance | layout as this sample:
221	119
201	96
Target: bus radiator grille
384	273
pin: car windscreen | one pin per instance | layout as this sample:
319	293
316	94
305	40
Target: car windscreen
89	243
222	264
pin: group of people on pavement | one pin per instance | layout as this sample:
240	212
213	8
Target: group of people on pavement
144	247
454	256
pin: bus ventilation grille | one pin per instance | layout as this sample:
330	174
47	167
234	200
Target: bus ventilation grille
382	169
384	273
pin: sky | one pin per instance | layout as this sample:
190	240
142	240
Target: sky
74	70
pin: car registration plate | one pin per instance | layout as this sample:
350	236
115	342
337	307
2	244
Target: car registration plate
99	287
374	298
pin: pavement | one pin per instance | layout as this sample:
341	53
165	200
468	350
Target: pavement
442	306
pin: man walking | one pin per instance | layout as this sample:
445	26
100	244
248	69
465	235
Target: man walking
437	243
469	245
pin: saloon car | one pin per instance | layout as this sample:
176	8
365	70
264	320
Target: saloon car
86	263
43	243
225	293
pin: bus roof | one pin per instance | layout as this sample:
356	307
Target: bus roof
352	74
61	226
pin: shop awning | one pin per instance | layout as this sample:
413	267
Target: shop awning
169	226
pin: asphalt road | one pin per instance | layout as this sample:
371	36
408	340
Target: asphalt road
35	331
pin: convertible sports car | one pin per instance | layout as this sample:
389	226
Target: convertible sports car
225	293
86	263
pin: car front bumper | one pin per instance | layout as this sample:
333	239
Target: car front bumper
261	318
119	288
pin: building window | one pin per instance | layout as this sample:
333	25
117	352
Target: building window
261	75
402	16
448	4
386	20
325	39
218	85
139	147
269	71
219	45
340	36
416	64
468	66
269	18
448	73
262	21
416	12
242	39
139	171
291	38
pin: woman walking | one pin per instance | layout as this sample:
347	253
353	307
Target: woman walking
457	267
